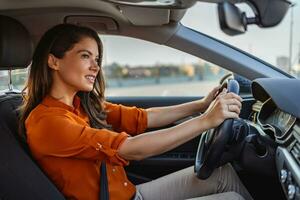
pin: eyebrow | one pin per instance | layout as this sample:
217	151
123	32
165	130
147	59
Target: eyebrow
87	51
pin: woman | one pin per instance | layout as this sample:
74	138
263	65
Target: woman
71	129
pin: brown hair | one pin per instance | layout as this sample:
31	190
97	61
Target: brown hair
57	41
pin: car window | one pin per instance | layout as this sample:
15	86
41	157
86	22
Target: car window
135	67
19	77
279	45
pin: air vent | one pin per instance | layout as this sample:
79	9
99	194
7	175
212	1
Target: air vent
296	152
296	132
296	147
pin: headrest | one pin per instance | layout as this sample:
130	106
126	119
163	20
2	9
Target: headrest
15	44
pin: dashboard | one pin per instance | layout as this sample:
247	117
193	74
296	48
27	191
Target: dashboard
278	117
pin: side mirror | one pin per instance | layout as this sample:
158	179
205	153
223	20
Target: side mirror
232	20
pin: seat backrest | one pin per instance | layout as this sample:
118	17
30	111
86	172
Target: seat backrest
20	177
9	116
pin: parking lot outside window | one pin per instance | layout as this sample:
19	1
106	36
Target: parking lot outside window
19	78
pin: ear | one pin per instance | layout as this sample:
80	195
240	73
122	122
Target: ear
53	62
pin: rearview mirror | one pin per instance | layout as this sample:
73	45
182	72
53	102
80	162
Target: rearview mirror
232	20
267	14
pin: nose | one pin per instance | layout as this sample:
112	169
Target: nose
94	66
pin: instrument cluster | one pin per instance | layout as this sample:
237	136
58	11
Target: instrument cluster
271	118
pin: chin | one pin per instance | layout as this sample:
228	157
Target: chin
87	88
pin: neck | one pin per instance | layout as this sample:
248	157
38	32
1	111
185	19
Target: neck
66	99
63	93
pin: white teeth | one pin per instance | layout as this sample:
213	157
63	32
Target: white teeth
91	78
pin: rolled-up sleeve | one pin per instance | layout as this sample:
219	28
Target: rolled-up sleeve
132	120
66	138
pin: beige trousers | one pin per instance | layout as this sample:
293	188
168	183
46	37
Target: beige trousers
222	184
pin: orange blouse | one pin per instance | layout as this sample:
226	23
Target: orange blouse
70	151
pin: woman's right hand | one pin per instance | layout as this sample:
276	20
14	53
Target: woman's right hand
226	105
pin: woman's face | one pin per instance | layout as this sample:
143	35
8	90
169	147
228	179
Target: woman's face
78	69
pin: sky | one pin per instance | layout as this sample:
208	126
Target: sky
266	43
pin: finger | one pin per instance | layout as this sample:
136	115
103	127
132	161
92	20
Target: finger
234	108
224	92
232	95
233	102
215	90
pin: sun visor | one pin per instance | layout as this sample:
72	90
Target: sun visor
145	16
99	23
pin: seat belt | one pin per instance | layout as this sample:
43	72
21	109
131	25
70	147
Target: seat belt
104	193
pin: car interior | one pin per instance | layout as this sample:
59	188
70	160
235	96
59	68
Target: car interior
264	146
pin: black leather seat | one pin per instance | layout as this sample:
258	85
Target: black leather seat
20	177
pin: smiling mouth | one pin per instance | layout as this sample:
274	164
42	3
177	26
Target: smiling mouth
90	78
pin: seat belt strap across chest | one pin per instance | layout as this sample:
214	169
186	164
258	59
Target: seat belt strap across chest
104	192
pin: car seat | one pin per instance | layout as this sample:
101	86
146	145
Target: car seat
20	177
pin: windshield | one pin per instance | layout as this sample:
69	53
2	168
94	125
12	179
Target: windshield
133	66
279	45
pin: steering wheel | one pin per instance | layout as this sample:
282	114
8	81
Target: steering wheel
212	143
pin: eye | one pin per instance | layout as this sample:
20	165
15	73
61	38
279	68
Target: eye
85	56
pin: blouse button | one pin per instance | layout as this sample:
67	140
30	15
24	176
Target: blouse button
125	184
99	146
114	170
